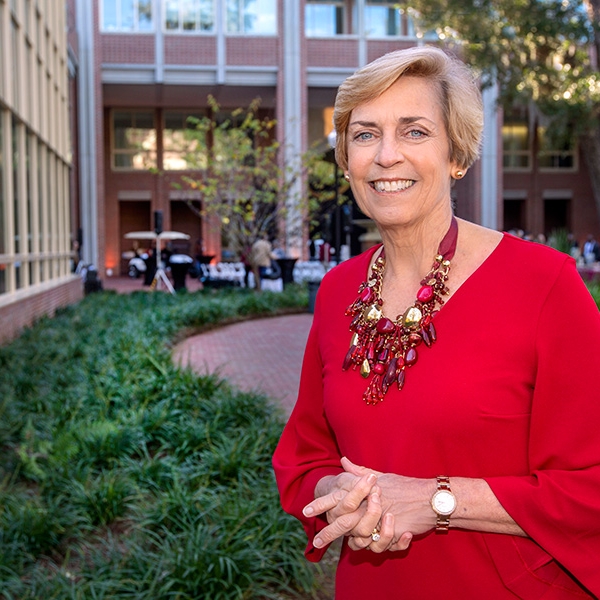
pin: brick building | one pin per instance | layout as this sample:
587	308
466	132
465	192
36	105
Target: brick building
128	73
154	63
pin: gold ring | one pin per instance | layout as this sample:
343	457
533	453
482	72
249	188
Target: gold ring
375	536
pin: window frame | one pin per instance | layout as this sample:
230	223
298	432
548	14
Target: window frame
528	152
186	114
390	6
119	28
346	14
242	17
180	30
541	153
125	152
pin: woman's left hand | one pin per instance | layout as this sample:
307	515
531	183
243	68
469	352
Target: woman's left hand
405	507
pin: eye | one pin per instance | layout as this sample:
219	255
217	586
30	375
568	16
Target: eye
416	134
363	136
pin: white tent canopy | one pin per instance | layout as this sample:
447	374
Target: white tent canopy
152	235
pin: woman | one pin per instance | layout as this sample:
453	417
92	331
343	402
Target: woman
446	424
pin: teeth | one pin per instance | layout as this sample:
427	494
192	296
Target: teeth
392	186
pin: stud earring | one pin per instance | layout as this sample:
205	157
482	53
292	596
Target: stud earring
346	176
459	175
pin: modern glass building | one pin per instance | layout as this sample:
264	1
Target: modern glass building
36	239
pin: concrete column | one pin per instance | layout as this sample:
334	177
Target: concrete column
87	132
292	111
491	182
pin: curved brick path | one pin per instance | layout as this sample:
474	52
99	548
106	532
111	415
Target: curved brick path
262	355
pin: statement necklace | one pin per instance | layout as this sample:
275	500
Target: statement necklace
384	349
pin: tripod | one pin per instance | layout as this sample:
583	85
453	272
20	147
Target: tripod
160	275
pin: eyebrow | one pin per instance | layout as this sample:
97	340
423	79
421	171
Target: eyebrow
401	121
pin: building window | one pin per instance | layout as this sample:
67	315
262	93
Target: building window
252	17
126	15
382	19
2	175
133	140
555	154
190	15
516	146
326	19
184	147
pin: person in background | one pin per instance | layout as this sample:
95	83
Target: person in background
591	249
260	259
446	423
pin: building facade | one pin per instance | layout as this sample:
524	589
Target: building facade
36	237
154	63
95	97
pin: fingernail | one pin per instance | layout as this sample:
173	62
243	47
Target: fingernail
388	518
318	542
308	511
375	498
372	478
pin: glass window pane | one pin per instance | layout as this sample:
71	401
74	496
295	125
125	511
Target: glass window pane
172	14
2	207
184	146
382	21
324	19
252	17
233	16
134	139
15	184
109	15
207	15
127	15
144	15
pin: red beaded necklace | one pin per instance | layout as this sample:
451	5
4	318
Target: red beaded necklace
382	348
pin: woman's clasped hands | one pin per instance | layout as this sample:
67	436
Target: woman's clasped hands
377	511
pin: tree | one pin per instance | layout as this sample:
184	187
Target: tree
242	177
540	53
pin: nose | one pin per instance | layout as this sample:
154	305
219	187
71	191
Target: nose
389	151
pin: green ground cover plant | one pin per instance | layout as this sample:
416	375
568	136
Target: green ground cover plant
124	476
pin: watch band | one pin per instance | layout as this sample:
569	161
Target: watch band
442	522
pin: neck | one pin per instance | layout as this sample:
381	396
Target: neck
409	250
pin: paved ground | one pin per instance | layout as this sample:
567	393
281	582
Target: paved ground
260	355
263	355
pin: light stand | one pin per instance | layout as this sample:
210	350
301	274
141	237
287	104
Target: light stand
160	275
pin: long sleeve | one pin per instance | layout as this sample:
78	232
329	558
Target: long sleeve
307	450
558	503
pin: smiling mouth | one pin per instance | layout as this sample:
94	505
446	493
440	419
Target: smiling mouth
392	186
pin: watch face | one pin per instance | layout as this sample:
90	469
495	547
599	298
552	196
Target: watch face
443	502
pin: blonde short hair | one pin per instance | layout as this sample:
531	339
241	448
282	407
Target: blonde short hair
460	97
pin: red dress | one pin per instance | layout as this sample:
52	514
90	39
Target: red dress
508	393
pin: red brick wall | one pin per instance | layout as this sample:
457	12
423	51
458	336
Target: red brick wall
190	50
332	53
252	51
23	312
127	49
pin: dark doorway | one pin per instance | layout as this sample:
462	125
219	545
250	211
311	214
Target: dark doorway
185	221
134	215
514	214
557	215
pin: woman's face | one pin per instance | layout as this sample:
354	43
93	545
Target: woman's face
398	155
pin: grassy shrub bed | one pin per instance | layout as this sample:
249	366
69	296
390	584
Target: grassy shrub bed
122	476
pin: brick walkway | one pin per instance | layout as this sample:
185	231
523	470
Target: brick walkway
263	355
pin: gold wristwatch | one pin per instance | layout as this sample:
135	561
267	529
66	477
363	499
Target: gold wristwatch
443	503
